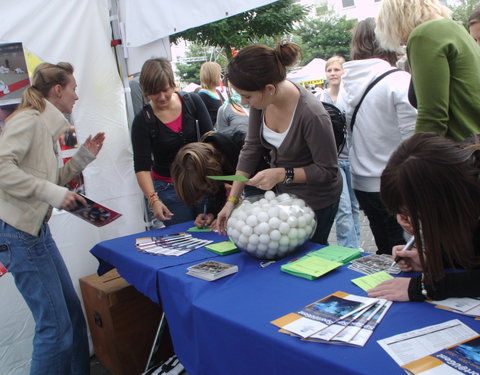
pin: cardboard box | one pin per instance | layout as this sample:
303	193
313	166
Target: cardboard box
123	323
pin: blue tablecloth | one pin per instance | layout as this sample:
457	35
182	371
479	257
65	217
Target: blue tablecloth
223	327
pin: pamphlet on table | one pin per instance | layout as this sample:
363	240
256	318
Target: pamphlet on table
374	263
464	306
211	270
172	244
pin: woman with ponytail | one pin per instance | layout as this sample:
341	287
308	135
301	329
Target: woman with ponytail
432	184
289	121
31	183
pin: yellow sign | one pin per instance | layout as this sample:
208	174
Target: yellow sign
312	82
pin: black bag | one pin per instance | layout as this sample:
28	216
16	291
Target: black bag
339	125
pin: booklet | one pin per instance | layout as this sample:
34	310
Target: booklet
95	213
211	270
411	346
462	358
374	263
309	267
338	254
223	248
464	306
322	313
371	281
172	244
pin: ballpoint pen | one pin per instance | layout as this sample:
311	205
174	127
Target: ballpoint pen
407	246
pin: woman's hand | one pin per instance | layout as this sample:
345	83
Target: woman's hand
409	259
72	200
95	144
203	220
394	289
160	211
220	224
267	178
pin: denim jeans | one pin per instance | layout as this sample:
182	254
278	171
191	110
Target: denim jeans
386	231
60	344
325	217
346	220
181	213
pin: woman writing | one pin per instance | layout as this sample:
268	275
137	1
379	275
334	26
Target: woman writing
30	184
444	61
294	126
169	121
433	185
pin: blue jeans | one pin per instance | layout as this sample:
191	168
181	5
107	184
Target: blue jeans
60	344
325	217
181	213
347	225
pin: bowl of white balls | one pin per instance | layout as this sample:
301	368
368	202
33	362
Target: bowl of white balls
271	226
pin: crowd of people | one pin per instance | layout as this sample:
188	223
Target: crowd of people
411	160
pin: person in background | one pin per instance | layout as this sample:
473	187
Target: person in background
294	126
232	116
163	126
432	184
474	24
384	119
444	61
346	220
210	76
31	183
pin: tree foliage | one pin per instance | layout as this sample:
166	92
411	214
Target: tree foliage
462	9
273	20
325	36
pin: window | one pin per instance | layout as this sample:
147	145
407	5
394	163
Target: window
348	3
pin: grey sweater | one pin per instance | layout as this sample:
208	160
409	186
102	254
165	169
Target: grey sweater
309	144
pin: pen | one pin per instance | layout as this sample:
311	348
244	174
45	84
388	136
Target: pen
407	246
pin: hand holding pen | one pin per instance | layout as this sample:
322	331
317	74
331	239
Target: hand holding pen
410	259
407	246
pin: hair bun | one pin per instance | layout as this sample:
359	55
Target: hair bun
287	52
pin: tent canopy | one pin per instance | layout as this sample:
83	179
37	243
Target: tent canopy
310	74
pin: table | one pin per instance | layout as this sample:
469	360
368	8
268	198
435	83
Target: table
223	327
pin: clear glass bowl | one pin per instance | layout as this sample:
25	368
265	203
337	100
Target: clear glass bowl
271	226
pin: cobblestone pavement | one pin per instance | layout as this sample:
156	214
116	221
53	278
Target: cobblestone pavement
367	242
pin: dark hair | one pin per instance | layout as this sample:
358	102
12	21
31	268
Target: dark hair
156	75
474	17
365	44
190	168
256	66
435	181
45	76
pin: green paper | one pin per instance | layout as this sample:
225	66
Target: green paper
338	254
222	248
310	267
232	177
371	281
197	229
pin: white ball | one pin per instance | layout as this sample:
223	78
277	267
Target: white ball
264	238
271	253
251	220
293	233
256	209
302	222
283	228
283	197
283	214
262	247
284	241
283	248
260	254
243	239
293	242
269	195
292	221
299	202
309	230
273	245
274	222
241	215
262	228
301	234
275	235
273	202
239	225
247	230
253	239
233	233
262	216
273	211
231	222
262	201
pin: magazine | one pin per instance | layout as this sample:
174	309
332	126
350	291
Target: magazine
374	263
211	270
95	213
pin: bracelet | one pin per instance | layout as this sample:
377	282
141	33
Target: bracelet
422	285
152	198
232	199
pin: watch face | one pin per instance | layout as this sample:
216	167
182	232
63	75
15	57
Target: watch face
288	180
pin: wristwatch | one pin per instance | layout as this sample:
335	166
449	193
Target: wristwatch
289	174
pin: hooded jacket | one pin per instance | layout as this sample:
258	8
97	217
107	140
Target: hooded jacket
31	180
385	118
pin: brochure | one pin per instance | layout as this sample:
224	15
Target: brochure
172	244
374	263
211	270
95	213
322	313
411	346
464	306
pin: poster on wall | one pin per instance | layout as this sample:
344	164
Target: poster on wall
13	78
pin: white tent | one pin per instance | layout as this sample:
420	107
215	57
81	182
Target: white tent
80	32
310	74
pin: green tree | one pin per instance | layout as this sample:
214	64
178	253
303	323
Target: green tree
273	20
462	9
325	36
188	69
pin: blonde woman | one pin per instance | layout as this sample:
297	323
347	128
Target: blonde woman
210	76
444	61
474	24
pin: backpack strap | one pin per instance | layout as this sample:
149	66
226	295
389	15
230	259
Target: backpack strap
191	109
370	86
